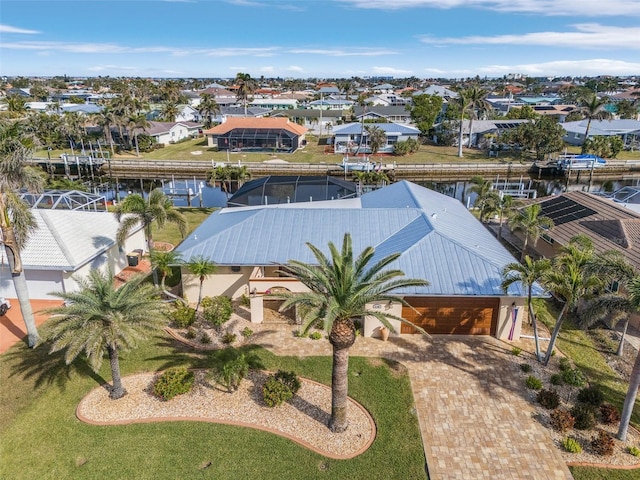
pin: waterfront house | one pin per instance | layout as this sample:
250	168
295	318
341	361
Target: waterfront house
628	130
438	238
347	138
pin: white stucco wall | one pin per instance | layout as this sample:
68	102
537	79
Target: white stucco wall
223	282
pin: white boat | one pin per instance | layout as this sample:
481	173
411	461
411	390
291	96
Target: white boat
364	165
580	162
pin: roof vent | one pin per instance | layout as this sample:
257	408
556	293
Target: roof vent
434	215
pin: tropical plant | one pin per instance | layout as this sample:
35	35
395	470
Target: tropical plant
527	274
470	101
201	267
100	318
593	108
246	86
425	111
17	222
377	138
208	108
137	124
571	279
529	221
164	263
544	136
487	199
169	111
157	207
505	209
341	288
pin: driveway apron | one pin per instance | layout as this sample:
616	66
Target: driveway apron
474	419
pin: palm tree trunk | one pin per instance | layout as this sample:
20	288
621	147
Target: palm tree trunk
460	136
554	335
200	293
117	390
534	323
630	400
22	292
524	248
620	350
470	130
339	388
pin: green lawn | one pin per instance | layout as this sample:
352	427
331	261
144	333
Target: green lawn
41	437
170	233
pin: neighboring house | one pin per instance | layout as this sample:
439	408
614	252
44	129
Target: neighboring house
275	103
387	99
628	130
481	128
347	137
68	243
438	238
257	134
551	100
331	104
438	90
383	88
187	113
392	114
315	120
166	133
557	111
223	96
84	108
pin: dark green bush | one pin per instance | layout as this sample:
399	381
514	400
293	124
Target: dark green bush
584	415
574	377
548	398
229	338
565	364
233	371
562	420
609	414
217	310
591	395
602	443
525	367
174	381
183	315
534	383
191	333
205	338
280	387
556	379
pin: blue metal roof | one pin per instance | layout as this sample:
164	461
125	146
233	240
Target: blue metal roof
439	240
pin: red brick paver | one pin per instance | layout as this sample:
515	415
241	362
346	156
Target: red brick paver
474	418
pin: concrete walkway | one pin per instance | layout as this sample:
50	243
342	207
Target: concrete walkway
474	419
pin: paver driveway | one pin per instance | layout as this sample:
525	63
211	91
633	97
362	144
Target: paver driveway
474	420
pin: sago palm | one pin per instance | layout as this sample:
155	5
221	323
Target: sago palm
341	287
100	318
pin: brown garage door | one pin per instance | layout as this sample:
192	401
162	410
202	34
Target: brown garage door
450	315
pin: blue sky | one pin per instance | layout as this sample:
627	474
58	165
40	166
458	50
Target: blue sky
319	38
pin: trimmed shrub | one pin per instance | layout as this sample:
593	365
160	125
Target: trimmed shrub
534	383
635	451
183	315
247	332
279	388
609	414
556	379
191	333
315	336
574	377
516	351
571	445
562	420
229	338
174	381
217	310
525	367
233	372
591	395
548	398
602	443
564	364
584	415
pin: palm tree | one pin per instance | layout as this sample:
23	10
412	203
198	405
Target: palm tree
527	274
506	207
157	207
377	138
16	218
137	124
476	100
487	199
341	288
169	112
634	380
571	279
246	87
463	104
101	318
529	221
612	266
593	108
208	108
201	267
164	262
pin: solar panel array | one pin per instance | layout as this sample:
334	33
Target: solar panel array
563	210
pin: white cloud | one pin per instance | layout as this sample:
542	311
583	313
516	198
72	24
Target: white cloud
268	69
587	35
541	7
339	52
294	68
111	68
592	67
391	71
10	29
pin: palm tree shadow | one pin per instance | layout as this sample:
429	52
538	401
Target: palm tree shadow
47	369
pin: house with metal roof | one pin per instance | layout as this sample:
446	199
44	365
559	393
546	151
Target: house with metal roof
353	137
628	130
257	135
438	238
68	243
